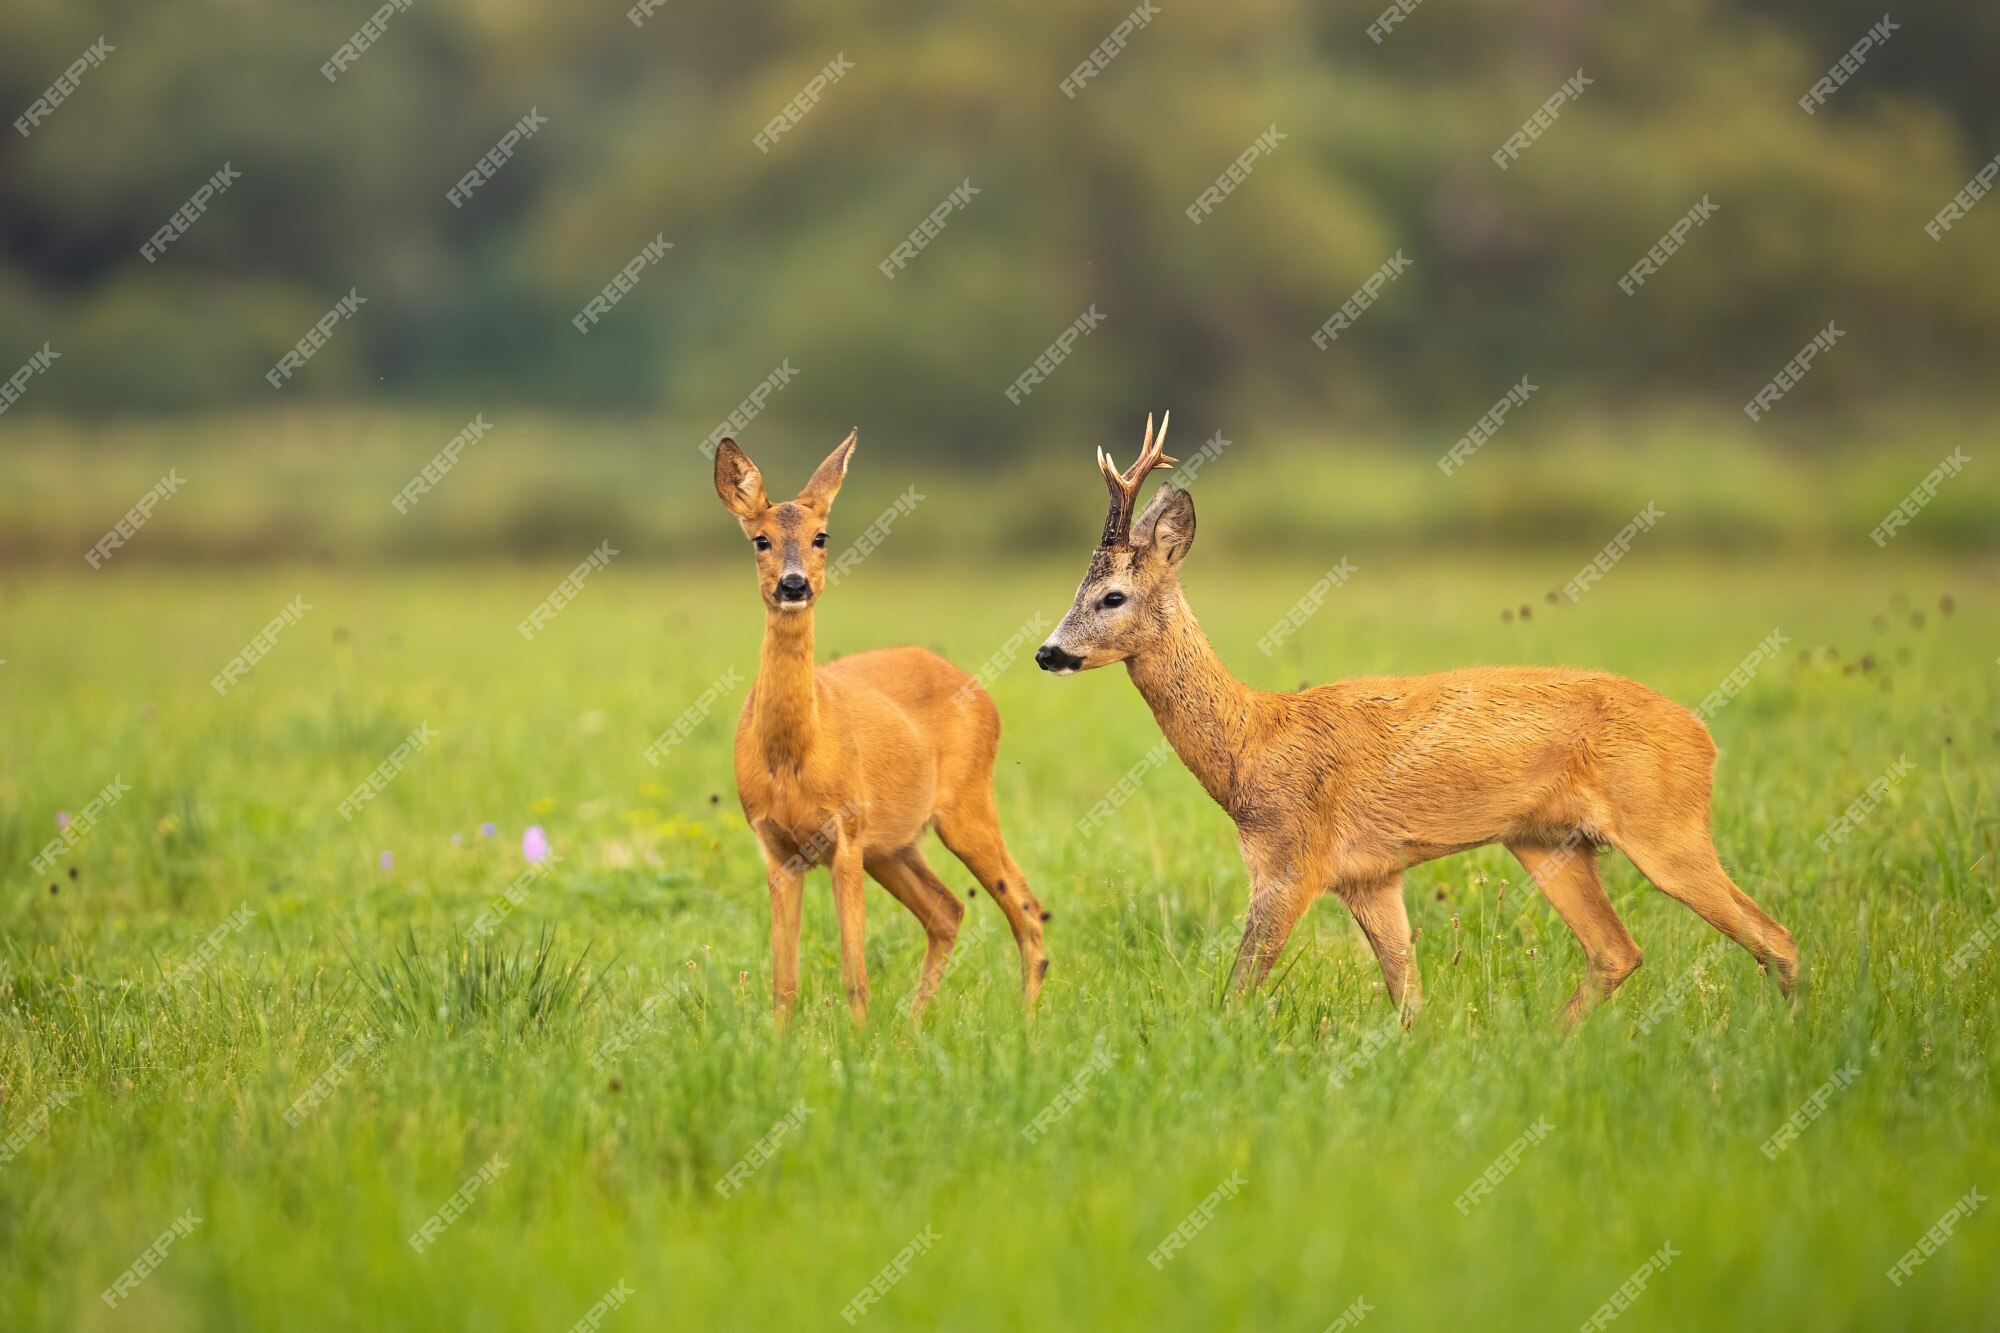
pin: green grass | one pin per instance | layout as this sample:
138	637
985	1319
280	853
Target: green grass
651	934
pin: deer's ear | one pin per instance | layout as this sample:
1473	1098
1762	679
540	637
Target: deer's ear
826	478
739	483
1166	530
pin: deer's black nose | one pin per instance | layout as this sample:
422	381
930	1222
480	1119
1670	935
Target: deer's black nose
1051	658
793	588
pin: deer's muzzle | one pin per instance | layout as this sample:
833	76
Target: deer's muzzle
1051	658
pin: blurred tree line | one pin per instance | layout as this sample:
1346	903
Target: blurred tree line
1080	202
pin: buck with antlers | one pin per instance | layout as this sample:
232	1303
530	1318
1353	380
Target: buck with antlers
1343	787
845	765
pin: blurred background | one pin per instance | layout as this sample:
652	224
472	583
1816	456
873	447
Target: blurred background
1838	675
1082	198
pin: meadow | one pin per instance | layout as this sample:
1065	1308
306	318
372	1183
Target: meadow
229	1002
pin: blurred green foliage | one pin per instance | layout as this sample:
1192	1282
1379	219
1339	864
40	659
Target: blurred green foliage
319	486
1081	202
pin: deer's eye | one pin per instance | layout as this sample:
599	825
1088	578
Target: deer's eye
820	541
763	542
1113	599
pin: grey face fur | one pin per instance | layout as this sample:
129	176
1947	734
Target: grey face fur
1130	592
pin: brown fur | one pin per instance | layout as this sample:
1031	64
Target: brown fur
1343	787
845	765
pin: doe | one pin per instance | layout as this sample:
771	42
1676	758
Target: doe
845	765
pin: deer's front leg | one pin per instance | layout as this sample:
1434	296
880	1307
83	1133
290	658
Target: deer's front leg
1385	919
785	873
1279	897
848	904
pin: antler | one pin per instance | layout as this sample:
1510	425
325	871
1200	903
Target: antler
1125	485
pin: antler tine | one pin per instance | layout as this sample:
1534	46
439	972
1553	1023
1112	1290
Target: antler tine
1125	485
1154	453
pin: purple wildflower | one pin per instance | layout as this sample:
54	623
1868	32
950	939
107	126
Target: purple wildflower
535	843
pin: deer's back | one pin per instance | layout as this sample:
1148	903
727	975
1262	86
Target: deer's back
1457	759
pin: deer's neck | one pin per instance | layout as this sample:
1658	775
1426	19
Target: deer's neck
786	717
1204	712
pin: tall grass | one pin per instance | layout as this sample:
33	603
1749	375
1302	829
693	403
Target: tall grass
478	980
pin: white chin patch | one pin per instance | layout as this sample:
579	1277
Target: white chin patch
795	606
1063	671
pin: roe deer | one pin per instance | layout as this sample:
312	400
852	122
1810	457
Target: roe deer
846	764
1343	787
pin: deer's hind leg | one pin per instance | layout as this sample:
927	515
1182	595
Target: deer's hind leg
1567	877
1660	819
970	827
1683	865
907	876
